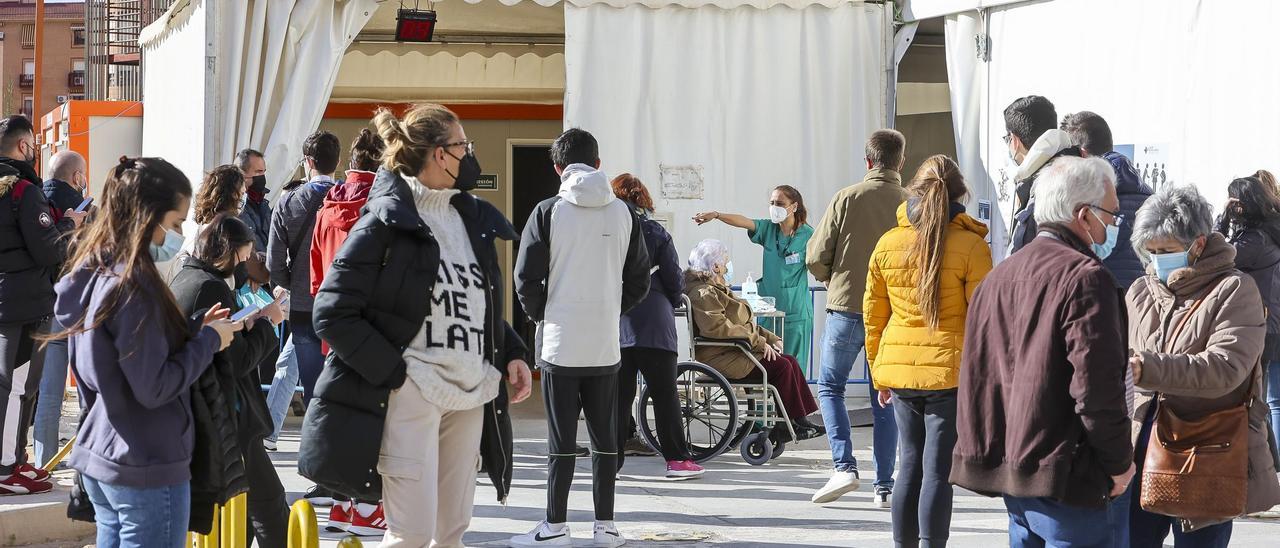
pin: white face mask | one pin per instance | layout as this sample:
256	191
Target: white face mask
777	214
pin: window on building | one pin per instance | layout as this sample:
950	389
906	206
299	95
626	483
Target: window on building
77	37
77	65
29	67
28	105
29	36
77	96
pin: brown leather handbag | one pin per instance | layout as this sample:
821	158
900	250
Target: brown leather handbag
1198	468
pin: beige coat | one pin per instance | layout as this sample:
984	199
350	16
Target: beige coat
718	314
1209	365
840	249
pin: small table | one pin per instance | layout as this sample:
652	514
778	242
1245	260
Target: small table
776	321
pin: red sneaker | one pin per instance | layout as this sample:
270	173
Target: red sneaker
373	524
683	469
31	472
18	484
339	516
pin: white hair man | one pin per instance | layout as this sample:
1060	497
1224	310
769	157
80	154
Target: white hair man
1043	416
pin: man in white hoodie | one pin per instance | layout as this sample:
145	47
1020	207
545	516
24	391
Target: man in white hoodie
1033	138
582	264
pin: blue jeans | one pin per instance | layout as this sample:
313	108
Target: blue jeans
1148	530
283	385
306	346
1041	522
130	517
53	386
1273	401
843	338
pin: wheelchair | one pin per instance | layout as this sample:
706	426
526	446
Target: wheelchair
718	414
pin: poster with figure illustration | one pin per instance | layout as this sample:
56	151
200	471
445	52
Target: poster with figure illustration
1151	161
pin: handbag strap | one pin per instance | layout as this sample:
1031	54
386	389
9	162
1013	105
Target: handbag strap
1177	330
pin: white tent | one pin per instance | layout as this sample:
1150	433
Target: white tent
713	103
1187	88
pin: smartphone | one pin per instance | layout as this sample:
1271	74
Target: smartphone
84	205
245	312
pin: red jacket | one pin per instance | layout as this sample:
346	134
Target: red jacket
339	213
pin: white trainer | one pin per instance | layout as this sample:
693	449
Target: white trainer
545	534
839	484
607	534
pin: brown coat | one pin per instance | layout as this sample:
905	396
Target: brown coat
1209	364
718	314
1042	396
841	247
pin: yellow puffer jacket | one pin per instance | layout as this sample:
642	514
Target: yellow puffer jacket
902	350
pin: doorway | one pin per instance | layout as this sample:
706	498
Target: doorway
533	179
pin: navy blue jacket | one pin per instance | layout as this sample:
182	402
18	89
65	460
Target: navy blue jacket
61	195
1124	263
652	323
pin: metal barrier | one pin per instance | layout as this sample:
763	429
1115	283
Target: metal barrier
229	529
303	532
62	454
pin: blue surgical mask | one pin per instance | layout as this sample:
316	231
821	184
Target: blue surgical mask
1104	249
169	249
1167	263
728	273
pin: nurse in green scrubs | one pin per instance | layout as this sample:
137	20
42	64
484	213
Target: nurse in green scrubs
783	236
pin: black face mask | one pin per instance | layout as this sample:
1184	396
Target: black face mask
259	183
468	172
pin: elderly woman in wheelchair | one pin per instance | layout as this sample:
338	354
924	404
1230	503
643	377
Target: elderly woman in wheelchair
719	315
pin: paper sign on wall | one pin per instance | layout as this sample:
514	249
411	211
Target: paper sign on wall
682	182
487	182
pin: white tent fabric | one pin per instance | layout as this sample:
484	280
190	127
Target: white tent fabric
753	98
723	4
273	66
1171	76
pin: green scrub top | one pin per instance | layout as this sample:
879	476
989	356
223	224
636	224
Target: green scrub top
786	278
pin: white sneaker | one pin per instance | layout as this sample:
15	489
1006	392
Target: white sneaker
839	484
608	535
269	444
545	534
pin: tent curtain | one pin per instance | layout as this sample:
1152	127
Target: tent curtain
724	4
277	64
753	98
1177	83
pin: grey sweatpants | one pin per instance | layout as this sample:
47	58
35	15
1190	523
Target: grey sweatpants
23	362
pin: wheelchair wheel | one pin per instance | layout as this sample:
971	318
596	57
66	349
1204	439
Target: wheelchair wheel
708	411
757	449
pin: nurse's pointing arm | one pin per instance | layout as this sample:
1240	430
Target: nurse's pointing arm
731	219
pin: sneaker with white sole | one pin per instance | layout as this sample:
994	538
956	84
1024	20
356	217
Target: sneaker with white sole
269	444
31	472
18	484
545	534
683	469
318	496
841	482
339	517
606	534
367	520
884	496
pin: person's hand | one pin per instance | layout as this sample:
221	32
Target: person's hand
1135	363
77	217
279	293
1121	482
770	353
777	345
521	380
282	298
706	217
273	312
215	313
885	398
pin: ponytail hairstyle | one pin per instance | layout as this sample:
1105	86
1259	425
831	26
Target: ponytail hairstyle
217	244
137	195
936	185
1267	178
802	213
628	188
219	193
409	141
366	151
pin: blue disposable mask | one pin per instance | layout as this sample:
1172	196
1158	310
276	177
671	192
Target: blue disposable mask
1167	263
728	273
1104	249
169	249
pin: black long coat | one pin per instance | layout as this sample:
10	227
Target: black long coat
371	305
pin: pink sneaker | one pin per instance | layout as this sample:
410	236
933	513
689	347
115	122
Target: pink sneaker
683	469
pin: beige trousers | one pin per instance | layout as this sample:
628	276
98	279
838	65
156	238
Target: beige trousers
428	464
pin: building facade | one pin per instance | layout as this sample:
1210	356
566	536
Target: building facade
64	55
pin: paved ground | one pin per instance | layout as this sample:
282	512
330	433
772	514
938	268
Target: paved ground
734	504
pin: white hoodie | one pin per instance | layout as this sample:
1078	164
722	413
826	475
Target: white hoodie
582	264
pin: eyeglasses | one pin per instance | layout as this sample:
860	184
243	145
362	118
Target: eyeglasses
471	145
1119	218
1008	137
